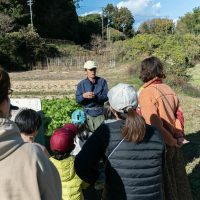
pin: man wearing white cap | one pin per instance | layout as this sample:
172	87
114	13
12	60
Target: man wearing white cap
91	93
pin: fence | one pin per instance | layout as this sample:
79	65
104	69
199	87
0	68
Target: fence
76	62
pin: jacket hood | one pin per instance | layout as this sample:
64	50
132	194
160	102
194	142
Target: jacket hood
10	138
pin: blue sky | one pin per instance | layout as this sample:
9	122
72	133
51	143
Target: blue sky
143	10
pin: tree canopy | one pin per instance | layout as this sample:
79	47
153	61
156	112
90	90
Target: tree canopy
120	19
51	19
189	23
89	25
157	26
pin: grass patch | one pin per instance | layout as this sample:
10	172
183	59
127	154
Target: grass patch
195	75
191	90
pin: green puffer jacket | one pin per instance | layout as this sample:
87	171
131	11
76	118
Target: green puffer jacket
72	185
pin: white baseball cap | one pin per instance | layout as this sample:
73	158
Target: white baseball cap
122	97
90	64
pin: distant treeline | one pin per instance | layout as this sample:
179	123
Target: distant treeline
22	45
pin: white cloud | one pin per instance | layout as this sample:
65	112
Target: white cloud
157	6
142	10
141	7
135	6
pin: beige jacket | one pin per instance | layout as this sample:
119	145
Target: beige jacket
25	172
159	104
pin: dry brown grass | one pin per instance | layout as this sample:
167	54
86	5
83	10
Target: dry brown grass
43	83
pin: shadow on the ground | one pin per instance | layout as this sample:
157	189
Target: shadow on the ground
194	178
192	149
191	152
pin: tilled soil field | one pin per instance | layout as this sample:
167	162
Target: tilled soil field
44	83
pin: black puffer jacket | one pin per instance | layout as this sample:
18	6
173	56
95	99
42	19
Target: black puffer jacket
133	172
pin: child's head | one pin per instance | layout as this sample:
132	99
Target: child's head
28	122
62	140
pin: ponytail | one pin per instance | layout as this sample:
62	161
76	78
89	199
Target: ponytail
135	127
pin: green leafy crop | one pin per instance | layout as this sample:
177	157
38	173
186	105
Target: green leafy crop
57	112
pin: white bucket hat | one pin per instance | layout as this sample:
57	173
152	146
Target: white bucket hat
122	97
90	64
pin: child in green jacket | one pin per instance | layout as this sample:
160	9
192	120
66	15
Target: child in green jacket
62	144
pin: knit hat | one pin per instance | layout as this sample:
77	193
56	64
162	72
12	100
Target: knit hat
78	117
90	64
122	97
63	138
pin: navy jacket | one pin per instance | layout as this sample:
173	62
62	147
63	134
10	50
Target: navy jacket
133	172
92	107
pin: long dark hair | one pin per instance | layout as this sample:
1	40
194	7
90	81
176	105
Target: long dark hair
150	68
135	127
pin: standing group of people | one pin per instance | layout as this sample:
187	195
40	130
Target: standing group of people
141	145
134	156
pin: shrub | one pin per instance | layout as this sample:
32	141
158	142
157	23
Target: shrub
23	49
141	45
171	51
176	75
116	35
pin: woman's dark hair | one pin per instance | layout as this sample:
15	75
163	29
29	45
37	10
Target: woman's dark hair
28	121
108	114
4	85
150	68
135	127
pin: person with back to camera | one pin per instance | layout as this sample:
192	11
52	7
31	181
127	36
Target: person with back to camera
62	143
78	118
26	173
29	122
132	150
91	93
160	106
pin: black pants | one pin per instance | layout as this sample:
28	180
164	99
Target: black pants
92	194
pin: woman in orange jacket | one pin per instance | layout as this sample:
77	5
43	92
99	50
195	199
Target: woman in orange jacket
160	106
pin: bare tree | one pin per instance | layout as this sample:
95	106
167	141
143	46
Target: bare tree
97	43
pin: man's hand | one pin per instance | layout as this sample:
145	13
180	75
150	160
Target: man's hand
88	95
